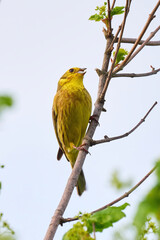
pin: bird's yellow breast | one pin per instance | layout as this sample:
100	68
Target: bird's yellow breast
72	109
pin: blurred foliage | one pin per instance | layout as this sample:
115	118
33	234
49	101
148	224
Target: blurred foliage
6	232
118	183
149	207
146	225
5	101
77	232
1	166
96	222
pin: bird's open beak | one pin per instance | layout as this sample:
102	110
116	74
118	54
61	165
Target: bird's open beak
82	71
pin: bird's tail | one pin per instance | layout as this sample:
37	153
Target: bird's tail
81	184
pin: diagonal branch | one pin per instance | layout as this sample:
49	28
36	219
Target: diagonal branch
133	75
113	3
126	194
150	18
133	40
56	219
144	43
108	139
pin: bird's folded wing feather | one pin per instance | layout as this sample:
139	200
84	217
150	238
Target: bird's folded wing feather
60	151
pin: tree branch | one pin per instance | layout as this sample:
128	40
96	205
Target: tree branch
108	139
126	194
56	219
109	17
113	3
133	40
133	75
150	18
101	98
144	43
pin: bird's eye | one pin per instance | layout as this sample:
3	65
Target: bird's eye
71	70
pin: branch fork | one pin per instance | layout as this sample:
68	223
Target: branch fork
105	75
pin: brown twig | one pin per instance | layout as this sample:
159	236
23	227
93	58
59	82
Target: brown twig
114	39
135	75
126	194
113	3
101	98
150	18
133	40
56	219
108	139
94	232
109	17
143	44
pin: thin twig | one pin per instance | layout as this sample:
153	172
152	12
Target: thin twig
108	139
126	194
133	40
150	18
116	52
109	17
114	39
135	75
113	3
144	43
56	219
94	232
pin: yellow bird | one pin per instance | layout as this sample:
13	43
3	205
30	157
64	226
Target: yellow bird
71	112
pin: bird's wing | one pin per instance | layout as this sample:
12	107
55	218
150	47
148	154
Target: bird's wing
54	116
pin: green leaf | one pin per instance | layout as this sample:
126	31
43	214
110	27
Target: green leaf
117	11
105	218
121	55
96	17
77	233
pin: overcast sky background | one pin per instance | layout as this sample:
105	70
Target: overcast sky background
39	41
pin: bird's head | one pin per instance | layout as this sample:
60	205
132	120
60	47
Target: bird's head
73	76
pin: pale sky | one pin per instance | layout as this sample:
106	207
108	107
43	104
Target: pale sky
39	41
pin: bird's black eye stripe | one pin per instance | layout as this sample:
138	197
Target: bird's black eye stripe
71	70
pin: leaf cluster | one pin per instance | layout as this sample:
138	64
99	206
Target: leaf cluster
102	12
96	222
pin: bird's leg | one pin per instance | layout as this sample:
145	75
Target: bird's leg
93	117
82	148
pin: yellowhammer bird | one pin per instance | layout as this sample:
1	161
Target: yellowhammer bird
71	112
